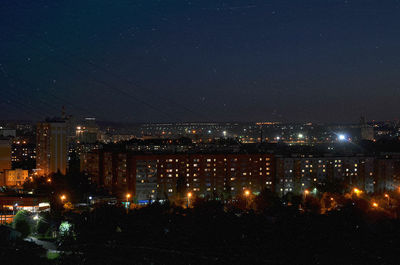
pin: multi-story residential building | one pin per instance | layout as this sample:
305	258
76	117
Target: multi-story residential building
15	178
88	131
160	176
51	147
387	173
23	152
304	172
5	156
157	176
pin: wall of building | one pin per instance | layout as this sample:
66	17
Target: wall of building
15	178
5	158
51	147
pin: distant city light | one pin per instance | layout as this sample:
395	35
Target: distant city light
342	137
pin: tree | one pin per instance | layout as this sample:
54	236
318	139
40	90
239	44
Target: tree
267	200
22	223
43	224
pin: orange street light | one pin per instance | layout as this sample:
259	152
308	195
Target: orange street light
386	195
357	191
189	195
306	192
49	180
63	197
375	205
128	196
247	193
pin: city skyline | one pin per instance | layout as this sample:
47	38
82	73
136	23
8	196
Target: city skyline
151	61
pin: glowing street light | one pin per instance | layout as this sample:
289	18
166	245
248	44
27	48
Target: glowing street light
375	205
306	192
357	191
128	196
388	199
247	193
301	136
189	195
63	197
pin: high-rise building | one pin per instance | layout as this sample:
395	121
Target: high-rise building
367	132
87	132
5	157
51	147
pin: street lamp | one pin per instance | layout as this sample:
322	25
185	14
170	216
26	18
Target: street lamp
128	196
247	193
357	191
189	195
388	199
63	197
375	205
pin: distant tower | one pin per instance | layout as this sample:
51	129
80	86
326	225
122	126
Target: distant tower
367	132
63	112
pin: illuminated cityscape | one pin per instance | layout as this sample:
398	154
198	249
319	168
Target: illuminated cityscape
199	132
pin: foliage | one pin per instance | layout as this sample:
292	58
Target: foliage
65	228
22	223
312	205
267	200
43	224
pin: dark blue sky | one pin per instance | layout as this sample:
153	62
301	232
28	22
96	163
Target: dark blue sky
203	60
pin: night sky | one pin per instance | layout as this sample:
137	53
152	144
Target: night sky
206	60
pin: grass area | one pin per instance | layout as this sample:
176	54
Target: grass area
52	255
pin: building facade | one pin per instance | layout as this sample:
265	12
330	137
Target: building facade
15	178
5	157
151	177
305	172
51	147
